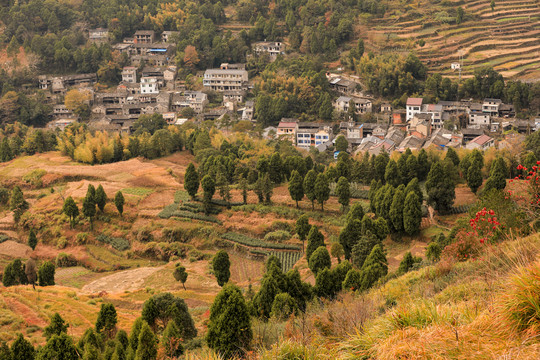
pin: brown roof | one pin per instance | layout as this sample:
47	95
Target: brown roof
414	101
481	140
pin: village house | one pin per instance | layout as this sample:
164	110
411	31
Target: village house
386	108
379	132
420	125
414	106
233	96
149	85
228	66
478	117
196	100
225	79
61	124
144	37
59	84
248	111
129	74
312	134
61	111
287	129
481	142
272	48
362	106
342	85
98	35
436	114
385	145
412	142
491	106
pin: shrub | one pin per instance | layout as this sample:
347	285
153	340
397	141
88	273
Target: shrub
65	260
34	177
46	274
277	236
465	247
116	243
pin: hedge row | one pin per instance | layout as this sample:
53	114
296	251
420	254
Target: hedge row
249	241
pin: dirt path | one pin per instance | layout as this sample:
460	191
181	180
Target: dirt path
122	281
15	250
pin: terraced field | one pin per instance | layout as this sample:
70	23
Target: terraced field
507	37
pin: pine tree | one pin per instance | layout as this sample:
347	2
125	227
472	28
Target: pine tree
119	352
337	251
433	252
497	175
406	263
243	186
440	188
474	176
46	274
229	326
101	198
356	212
296	189
341	143
391	174
362	249
89	209
452	155
412	169
106	321
353	280
374	268
325	284
209	188
283	306
302	228
32	239
267	188
309	187
57	326
91	352
147	344
17	203
71	210
413	185
91	192
171	340
396	209
315	239
221	266
191	181
320	259
5	352
180	274
423	165
412	214
343	192
322	189
349	236
222	183
59	347
119	202
275	169
381	161
30	270
21	349
5	150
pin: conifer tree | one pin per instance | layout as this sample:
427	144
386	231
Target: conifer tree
59	347
452	155
101	198
412	169
191	181
391	174
322	189
119	202
17	203
5	150
413	185
229	326
275	168
244	186
57	326
374	268
497	175
412	214
343	192
106	321
337	251
349	236
46	274
362	249
315	239
396	209
474	176
209	188
319	260
171	340
406	263
296	188
21	349
309	187
353	280
302	228
91	192
71	210
440	188
32	239
221	266
356	212
423	165
89	209
147	344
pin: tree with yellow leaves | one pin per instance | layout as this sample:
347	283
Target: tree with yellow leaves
78	102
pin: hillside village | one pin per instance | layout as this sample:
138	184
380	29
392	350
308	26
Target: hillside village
150	86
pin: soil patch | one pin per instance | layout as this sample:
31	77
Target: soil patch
129	280
15	250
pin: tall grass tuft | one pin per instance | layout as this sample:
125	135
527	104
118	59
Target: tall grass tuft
522	304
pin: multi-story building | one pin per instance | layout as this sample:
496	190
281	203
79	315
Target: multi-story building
144	37
287	129
149	85
166	36
477	117
414	106
225	79
194	99
362	106
271	48
129	74
312	134
491	106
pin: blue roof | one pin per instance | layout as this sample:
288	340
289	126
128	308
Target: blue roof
158	50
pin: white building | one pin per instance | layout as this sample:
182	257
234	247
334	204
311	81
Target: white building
225	79
149	85
363	106
129	74
414	106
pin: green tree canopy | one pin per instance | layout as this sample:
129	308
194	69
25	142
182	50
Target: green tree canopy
319	260
315	239
221	266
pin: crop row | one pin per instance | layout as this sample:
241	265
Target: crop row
249	241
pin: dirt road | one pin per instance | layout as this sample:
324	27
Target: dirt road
128	280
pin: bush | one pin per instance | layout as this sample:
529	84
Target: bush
116	243
277	236
34	177
62	243
65	260
4	196
465	247
144	235
46	274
